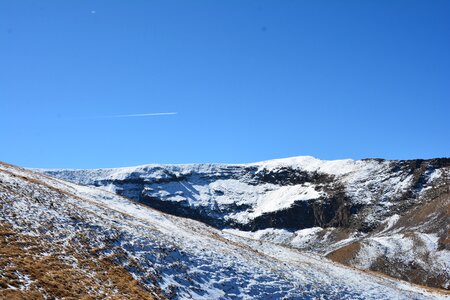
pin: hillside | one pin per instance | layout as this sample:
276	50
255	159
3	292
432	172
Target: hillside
68	241
380	215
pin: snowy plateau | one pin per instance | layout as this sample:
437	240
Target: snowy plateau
296	228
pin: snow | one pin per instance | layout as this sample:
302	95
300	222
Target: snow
431	241
218	187
305	236
278	236
435	175
283	198
390	222
312	164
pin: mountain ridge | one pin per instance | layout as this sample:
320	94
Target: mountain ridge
258	162
308	203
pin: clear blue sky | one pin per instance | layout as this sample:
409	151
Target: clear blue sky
249	80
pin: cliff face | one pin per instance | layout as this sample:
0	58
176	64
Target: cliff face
377	208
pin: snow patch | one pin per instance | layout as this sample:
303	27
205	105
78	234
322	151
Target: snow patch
284	197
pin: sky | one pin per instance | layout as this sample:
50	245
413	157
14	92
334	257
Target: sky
109	83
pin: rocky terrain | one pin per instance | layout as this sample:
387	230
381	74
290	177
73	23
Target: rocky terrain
60	240
387	216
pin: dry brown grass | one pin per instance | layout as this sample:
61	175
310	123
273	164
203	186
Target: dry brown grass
345	254
54	276
427	288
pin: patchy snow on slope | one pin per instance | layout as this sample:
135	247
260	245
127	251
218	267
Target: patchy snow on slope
390	222
278	236
362	178
182	255
435	174
413	249
305	237
430	241
218	186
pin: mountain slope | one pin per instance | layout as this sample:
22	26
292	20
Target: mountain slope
392	215
167	256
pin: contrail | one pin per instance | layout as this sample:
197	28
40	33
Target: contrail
140	115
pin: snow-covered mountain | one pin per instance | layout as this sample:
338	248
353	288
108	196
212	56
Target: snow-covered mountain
386	216
64	240
60	240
